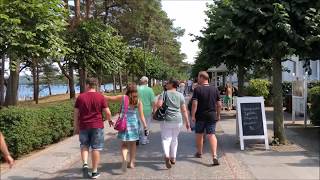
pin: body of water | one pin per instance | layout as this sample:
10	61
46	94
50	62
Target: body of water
25	92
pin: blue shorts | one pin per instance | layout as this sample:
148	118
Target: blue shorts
92	138
208	126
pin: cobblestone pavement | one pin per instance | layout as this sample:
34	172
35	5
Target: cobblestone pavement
150	163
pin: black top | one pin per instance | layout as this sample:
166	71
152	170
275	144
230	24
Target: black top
207	97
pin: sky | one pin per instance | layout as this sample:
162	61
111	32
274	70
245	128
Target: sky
189	15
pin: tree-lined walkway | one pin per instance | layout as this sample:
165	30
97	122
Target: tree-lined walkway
62	161
150	163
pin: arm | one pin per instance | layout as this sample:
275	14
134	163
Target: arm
108	116
5	151
76	121
194	109
143	120
117	98
185	116
218	109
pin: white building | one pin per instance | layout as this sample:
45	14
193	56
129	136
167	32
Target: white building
296	68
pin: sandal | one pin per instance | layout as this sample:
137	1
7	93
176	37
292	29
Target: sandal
198	155
168	163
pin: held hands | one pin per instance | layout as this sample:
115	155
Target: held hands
111	123
146	132
188	126
193	119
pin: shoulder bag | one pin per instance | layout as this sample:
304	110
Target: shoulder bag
121	124
160	114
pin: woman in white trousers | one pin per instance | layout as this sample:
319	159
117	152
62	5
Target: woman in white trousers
170	127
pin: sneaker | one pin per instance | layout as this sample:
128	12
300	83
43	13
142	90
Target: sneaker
168	163
198	155
85	171
215	162
95	175
137	142
173	162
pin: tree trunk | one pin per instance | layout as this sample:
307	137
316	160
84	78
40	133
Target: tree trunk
35	78
278	126
241	72
88	6
71	81
149	82
49	87
77	10
82	79
114	83
120	81
13	84
127	78
2	80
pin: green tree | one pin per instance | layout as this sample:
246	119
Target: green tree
250	32
30	29
96	48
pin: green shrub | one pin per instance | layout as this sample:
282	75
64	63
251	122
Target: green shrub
315	105
259	87
157	89
27	129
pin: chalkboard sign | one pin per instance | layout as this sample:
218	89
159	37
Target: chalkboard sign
252	122
251	119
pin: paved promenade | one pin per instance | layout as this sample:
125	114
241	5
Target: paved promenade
62	160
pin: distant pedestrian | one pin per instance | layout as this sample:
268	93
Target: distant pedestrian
146	95
228	97
206	107
189	84
182	88
170	127
5	152
131	134
88	123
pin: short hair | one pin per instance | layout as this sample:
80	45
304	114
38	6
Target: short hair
92	82
204	75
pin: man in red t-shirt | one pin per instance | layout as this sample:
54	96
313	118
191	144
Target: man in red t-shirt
88	123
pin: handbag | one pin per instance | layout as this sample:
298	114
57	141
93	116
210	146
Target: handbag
121	124
160	114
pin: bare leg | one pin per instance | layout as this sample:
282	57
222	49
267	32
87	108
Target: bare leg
133	149
213	144
124	153
84	155
95	160
199	143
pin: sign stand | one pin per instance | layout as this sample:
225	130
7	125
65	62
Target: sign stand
251	119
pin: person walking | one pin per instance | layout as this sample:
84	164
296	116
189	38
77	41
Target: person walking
146	95
129	137
5	152
228	97
182	88
206	107
170	127
88	123
189	84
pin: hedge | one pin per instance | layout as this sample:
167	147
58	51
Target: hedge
315	105
27	129
30	128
